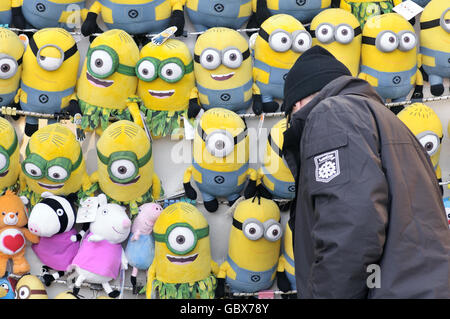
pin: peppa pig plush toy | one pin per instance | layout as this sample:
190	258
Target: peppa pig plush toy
141	245
101	255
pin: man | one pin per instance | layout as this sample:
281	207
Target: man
368	210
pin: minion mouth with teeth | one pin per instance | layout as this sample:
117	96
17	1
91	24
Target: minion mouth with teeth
182	266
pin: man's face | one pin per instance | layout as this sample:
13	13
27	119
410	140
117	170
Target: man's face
303	102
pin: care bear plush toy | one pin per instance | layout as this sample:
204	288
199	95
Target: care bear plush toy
435	44
9	157
182	267
101	255
13	233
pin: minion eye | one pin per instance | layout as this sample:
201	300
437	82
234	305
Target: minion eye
407	41
253	230
101	62
3	161
220	144
147	70
23	293
8	67
123	169
273	232
430	143
280	41
210	59
171	72
302	42
232	58
388	42
57	173
445	24
181	239
33	170
48	63
344	34
325	33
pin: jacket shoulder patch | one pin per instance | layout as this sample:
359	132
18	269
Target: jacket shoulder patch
327	166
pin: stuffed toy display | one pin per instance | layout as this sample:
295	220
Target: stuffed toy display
101	256
286	264
5	12
53	220
49	76
30	287
53	163
339	32
141	245
11	56
7	287
223	72
66	295
166	79
107	81
13	233
41	14
9	157
253	247
389	57
205	14
435	44
220	164
427	127
125	166
280	41
364	9
182	267
136	17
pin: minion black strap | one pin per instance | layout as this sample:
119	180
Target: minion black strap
430	24
368	40
263	34
274	146
67	54
19	62
237	224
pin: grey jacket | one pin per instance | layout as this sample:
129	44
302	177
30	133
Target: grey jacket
367	195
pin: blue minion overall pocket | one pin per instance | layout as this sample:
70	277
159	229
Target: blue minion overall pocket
302	10
7	98
46	14
441	68
275	87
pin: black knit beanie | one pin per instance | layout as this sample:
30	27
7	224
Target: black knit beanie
314	69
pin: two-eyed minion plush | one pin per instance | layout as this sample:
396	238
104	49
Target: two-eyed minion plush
253	247
30	287
101	256
136	17
389	60
11	57
14	234
280	41
125	166
286	263
435	44
49	76
166	79
9	157
42	14
206	14
107	80
220	163
339	32
223	72
182	267
53	163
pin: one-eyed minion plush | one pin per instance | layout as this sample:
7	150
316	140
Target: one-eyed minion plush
182	267
5	12
425	124
435	44
206	14
125	166
9	157
11	57
280	41
223	72
107	81
42	14
338	31
286	263
136	17
30	287
253	247
220	163
53	163
49	76
166	79
13	233
389	60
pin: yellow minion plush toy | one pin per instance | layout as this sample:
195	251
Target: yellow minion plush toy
339	32
182	267
166	79
205	14
30	287
253	247
53	163
286	263
49	75
364	9
389	60
5	12
107	81
435	43
220	164
280	41
11	57
9	157
223	72
125	166
427	127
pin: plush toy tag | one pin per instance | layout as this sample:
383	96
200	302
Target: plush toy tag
87	210
163	36
408	9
